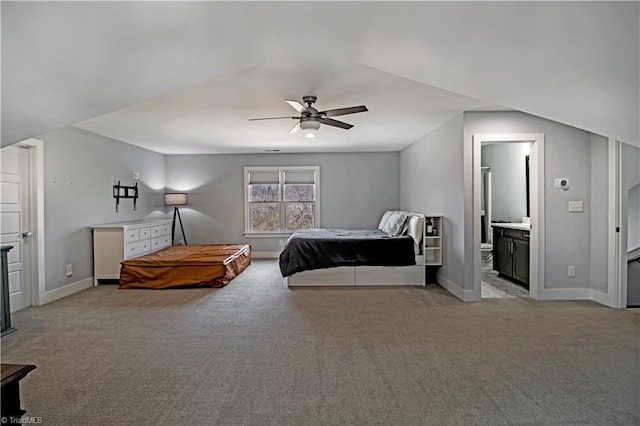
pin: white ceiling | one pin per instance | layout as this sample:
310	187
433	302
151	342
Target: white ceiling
183	77
213	117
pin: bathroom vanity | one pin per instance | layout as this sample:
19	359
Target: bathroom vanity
511	251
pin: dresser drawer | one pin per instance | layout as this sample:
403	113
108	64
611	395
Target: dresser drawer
160	230
160	243
131	235
137	248
145	233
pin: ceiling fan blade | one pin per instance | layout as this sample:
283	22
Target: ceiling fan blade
272	118
335	123
297	106
343	111
295	128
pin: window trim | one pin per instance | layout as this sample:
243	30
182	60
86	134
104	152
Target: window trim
281	175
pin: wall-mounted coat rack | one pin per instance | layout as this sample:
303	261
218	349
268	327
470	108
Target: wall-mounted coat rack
123	191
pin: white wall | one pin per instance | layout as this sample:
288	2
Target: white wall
508	180
431	181
567	154
79	172
355	189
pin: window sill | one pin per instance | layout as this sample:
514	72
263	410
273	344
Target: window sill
267	234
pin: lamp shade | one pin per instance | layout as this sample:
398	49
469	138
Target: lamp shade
175	199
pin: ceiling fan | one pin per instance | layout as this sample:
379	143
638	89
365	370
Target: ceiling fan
310	118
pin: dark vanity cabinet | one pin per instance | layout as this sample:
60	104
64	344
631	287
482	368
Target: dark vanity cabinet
5	309
511	253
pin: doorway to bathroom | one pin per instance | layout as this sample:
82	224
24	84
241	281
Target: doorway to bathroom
504	219
508	215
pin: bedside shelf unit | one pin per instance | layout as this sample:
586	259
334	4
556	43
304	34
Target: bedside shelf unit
433	243
115	242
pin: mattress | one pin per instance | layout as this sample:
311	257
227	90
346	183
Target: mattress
213	265
310	249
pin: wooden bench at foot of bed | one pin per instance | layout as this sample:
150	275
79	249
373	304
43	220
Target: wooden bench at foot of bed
213	265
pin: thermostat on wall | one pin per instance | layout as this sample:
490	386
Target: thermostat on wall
561	183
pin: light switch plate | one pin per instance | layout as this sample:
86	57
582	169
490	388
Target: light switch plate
576	206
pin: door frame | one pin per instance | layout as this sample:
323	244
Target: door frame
537	196
617	229
36	217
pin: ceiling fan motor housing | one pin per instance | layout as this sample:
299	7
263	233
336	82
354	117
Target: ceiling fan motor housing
309	99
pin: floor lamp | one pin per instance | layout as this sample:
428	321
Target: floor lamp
176	199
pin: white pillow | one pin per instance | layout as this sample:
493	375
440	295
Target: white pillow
414	228
385	218
395	223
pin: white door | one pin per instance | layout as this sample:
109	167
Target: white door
15	222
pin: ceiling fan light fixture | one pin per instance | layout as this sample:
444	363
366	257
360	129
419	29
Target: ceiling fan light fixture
309	124
310	118
309	127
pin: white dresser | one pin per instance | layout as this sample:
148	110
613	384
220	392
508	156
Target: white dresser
115	242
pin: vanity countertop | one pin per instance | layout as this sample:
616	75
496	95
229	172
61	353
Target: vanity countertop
520	226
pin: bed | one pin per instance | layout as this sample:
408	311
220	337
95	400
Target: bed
389	255
213	265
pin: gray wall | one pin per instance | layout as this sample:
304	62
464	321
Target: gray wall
355	189
631	158
79	172
432	181
599	210
508	180
567	154
633	219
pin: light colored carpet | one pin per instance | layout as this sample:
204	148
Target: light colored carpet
258	353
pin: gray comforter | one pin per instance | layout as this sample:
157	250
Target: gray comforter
325	248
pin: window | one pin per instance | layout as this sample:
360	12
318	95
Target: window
280	200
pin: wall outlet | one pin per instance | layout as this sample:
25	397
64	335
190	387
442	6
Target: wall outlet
571	271
69	270
136	175
281	243
181	242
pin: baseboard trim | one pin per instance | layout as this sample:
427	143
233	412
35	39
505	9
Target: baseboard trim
564	294
602	298
457	291
67	290
265	254
576	294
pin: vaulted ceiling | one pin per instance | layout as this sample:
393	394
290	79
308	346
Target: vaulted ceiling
185	77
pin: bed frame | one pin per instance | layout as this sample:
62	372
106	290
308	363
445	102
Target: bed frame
366	275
